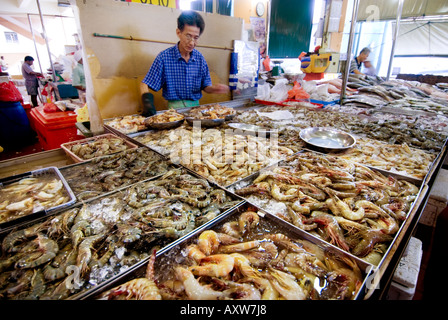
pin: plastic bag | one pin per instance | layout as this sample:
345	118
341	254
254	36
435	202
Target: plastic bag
263	91
267	64
9	92
309	86
279	92
297	92
51	107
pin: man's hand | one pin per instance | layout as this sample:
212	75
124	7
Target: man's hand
217	89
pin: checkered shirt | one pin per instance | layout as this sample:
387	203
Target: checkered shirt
180	80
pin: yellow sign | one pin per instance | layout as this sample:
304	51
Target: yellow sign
163	3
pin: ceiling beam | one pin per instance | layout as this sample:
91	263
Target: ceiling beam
21	28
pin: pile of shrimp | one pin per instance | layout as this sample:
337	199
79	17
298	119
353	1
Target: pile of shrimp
349	205
390	131
127	124
391	157
110	172
212	111
220	155
82	247
247	258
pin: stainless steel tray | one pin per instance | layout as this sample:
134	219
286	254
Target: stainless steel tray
43	212
411	212
383	171
174	253
327	138
166	152
75	171
110	225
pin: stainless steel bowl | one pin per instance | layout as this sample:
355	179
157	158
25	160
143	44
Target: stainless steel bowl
327	138
163	125
250	128
206	122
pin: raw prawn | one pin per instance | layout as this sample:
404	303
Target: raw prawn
340	208
369	239
286	285
208	242
139	289
193	289
247	221
194	253
218	265
47	250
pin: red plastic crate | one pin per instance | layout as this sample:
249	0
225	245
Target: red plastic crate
55	128
27	108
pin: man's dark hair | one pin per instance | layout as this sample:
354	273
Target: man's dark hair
29	58
191	18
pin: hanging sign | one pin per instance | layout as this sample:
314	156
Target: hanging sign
163	3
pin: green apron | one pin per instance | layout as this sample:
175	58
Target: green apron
179	104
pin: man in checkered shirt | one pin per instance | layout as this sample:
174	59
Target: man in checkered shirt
181	71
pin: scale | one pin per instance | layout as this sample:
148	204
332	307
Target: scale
277	69
314	64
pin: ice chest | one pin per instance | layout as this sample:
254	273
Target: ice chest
55	128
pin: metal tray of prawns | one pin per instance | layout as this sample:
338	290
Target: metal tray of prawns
166	153
35	196
406	177
200	223
282	209
83	175
268	250
111	225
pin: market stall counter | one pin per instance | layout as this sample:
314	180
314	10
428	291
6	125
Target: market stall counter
181	187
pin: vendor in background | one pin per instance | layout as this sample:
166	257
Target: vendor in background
181	71
30	77
356	63
78	78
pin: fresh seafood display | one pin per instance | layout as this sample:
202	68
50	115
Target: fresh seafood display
157	196
229	158
425	121
406	95
108	173
127	124
30	195
167	116
250	258
163	141
84	246
212	111
397	158
220	155
392	132
349	205
99	146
